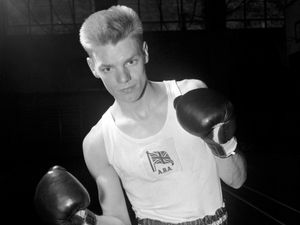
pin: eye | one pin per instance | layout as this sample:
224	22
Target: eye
132	62
106	69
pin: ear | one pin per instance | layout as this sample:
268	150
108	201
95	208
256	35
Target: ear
91	64
145	51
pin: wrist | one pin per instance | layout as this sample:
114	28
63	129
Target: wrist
85	217
222	150
230	147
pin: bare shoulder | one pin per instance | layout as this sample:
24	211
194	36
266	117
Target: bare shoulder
94	150
190	84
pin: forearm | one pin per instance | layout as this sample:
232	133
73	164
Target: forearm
112	199
110	220
117	217
232	170
87	217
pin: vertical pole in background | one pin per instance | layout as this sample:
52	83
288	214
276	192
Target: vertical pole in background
3	17
51	16
139	8
245	14
182	17
265	14
73	15
160	15
29	17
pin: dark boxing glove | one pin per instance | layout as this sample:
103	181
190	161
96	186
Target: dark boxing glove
207	114
61	199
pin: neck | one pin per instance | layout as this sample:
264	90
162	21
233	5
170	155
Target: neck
144	106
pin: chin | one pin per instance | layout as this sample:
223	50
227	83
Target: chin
131	99
134	96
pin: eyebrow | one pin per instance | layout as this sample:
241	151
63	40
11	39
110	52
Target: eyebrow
110	65
105	65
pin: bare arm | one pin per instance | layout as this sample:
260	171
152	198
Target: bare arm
111	196
232	170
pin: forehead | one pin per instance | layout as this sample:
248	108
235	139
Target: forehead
114	53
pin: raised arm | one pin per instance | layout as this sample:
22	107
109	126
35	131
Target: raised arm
209	115
111	196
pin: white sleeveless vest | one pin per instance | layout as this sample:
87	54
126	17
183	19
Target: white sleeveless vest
170	176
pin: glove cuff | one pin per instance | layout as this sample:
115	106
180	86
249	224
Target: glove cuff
230	147
85	217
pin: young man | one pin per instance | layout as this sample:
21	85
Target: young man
168	174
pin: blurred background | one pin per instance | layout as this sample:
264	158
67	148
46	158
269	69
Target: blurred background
247	49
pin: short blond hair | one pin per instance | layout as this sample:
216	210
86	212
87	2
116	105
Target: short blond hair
110	26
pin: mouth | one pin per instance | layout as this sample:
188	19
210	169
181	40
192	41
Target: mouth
127	90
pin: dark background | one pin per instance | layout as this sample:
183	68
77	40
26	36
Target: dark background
50	100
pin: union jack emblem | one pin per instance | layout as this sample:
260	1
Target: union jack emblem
159	157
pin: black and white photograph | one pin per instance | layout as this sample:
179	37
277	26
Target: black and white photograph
150	112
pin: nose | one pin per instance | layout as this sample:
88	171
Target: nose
124	75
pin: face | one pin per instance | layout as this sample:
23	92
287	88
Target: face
121	68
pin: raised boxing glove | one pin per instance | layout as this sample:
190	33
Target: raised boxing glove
207	114
61	199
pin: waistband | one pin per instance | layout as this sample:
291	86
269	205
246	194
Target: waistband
220	218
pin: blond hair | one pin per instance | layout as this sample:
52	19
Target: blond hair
110	26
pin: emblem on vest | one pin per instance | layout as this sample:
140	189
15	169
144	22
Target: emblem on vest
160	162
